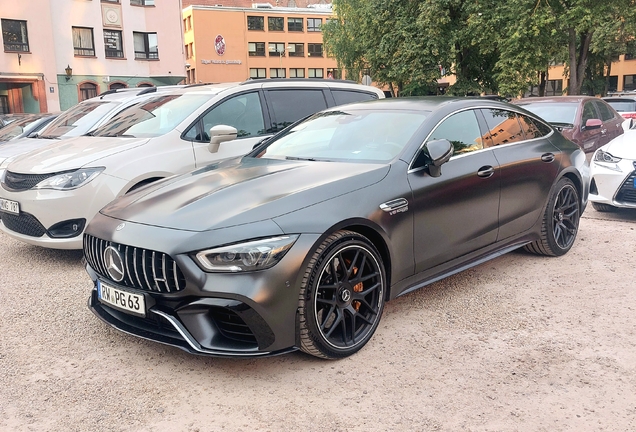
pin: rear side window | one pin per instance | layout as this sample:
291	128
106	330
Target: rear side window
346	96
605	111
503	126
288	106
531	128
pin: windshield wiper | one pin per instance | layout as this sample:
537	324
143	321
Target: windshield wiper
48	137
563	125
299	158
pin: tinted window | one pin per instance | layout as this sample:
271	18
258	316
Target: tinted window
624	105
530	128
344	96
287	106
503	126
462	130
588	113
242	112
604	110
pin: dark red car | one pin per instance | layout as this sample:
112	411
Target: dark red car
587	121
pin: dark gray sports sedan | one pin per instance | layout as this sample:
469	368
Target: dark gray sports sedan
299	244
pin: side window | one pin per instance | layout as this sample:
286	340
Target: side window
242	112
588	113
503	126
530	128
288	106
605	111
345	96
462	130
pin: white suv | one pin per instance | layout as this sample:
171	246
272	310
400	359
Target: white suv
48	196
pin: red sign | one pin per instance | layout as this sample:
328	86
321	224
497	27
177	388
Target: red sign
219	45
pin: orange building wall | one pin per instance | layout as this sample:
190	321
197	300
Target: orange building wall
231	23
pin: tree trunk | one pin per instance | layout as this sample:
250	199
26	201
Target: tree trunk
542	83
607	76
578	63
573	69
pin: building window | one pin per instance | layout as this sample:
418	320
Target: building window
142	2
629	82
277	73
296	50
295	24
191	77
255	23
256	49
112	44
314	50
554	88
87	90
315	73
14	35
314	24
275	24
333	73
257	73
83	41
187	23
145	45
276	49
613	83
297	73
117	85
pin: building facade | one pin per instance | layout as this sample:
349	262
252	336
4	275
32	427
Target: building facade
229	44
59	52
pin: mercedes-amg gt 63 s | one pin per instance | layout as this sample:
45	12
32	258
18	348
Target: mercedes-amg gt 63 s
299	244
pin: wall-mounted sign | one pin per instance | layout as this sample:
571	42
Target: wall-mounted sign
219	45
220	62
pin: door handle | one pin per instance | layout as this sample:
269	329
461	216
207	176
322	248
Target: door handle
486	171
547	157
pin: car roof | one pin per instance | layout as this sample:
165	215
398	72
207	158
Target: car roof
424	103
548	99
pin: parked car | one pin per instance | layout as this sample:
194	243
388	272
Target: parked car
299	244
587	121
613	171
80	119
5	119
53	192
30	124
624	104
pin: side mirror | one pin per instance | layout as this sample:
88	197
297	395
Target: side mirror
593	124
219	134
440	152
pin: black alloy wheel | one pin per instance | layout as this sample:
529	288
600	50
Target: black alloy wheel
342	296
560	221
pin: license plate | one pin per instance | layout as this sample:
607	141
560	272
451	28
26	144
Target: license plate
125	301
9	206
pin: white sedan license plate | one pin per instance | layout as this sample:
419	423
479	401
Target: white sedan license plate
123	300
9	206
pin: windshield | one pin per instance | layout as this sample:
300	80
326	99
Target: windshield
16	128
153	117
556	113
347	135
77	120
623	105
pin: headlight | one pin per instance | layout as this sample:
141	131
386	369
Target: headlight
606	160
70	180
248	256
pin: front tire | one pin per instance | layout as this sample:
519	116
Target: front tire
560	221
341	297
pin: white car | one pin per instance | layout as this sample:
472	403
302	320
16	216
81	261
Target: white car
48	196
613	171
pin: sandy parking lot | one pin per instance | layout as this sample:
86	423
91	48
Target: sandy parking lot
519	343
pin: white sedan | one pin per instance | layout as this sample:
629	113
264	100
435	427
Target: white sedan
614	174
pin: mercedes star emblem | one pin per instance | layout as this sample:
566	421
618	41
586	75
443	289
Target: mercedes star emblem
114	264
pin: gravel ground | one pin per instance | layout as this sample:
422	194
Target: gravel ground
519	343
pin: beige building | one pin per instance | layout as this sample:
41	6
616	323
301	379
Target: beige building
226	44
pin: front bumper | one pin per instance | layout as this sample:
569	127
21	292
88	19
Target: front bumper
614	183
42	210
219	314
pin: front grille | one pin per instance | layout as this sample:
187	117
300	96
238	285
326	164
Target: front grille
24	223
231	325
22	182
144	269
627	191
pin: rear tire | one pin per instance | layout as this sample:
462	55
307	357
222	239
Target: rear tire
603	207
560	221
341	297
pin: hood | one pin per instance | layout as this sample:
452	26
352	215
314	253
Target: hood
241	191
22	145
623	146
71	153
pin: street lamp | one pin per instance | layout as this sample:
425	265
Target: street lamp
69	72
